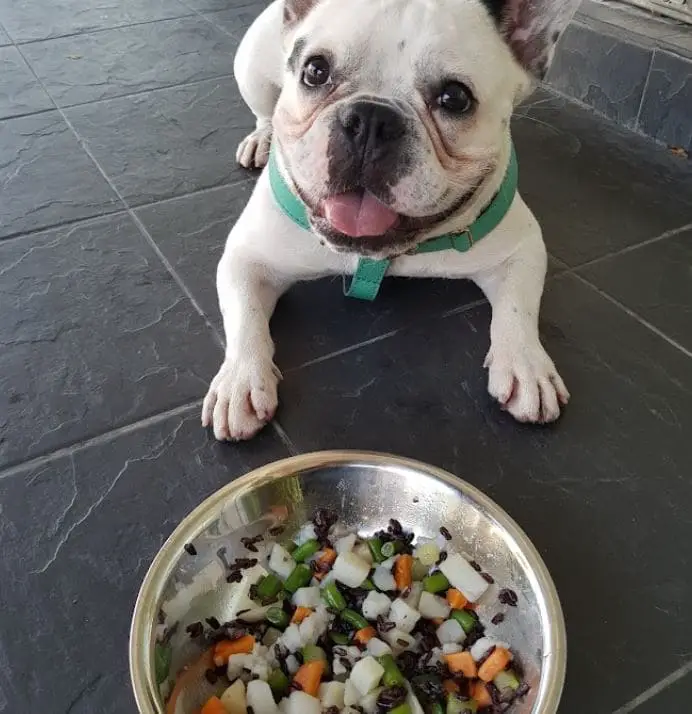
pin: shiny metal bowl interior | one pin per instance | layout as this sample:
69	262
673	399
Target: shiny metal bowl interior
366	489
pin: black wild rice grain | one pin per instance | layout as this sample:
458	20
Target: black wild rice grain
211	676
195	629
384	625
276	530
508	597
161	617
488	578
213	623
522	690
391	697
235	576
475	566
498	619
250	710
190	549
395	528
403	643
445	533
332	710
339	651
443	557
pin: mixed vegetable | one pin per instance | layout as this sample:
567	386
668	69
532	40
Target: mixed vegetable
334	622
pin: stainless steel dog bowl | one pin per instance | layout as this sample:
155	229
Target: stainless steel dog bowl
366	489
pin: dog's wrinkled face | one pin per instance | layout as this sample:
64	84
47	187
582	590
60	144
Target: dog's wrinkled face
392	114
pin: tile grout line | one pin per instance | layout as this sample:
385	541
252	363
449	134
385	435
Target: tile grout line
630	248
122	211
637	122
97	30
103	438
133	216
633	315
206	18
656	689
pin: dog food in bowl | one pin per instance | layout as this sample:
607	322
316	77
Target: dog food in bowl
340	622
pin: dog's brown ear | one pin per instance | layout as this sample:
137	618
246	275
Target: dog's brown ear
533	27
296	10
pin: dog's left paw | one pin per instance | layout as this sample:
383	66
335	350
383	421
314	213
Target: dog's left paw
523	378
253	151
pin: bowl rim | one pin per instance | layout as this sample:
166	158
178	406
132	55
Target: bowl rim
145	611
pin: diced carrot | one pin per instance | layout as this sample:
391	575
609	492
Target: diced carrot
496	662
224	649
481	694
214	706
455	599
450	686
362	637
324	562
301	614
461	663
309	675
189	678
403	572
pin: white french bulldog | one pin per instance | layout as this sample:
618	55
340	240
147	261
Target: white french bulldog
390	121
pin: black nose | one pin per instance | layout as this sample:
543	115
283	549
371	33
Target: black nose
371	127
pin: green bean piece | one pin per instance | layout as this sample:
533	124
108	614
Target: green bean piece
339	638
333	598
305	551
352	618
404	708
277	617
290	547
269	587
299	578
419	571
466	619
367	584
435	583
458	705
437	708
375	545
392	676
390	548
278	682
507	679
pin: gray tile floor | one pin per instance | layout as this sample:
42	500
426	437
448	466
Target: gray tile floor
117	134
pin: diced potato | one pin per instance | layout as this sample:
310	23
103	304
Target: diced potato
431	606
307	597
463	577
368	703
345	544
260	698
383	579
332	694
375	604
366	675
450	632
281	561
399	641
233	698
376	647
351	570
303	703
351	694
403	616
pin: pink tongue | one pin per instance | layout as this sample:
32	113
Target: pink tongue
359	215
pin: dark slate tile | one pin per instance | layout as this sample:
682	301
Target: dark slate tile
238	18
666	112
603	493
596	188
676	697
167	142
37	153
218	5
655	281
20	92
94	334
26	21
99	65
605	72
312	319
78	534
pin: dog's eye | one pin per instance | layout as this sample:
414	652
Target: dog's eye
316	72
455	98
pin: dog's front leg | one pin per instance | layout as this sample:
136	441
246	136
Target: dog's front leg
242	397
521	375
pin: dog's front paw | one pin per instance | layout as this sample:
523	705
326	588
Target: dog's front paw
523	378
253	150
242	398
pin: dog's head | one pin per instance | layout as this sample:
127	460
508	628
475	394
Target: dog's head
394	112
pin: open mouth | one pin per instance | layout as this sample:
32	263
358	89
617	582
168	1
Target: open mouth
359	214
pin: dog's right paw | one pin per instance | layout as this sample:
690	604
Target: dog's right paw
242	399
253	151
